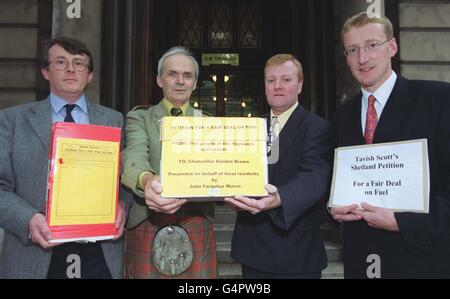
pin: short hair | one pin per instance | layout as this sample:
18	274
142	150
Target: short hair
282	58
177	51
362	19
71	45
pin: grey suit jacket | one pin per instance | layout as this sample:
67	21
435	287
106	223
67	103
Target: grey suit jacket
25	139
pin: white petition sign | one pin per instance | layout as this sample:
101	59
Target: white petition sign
393	175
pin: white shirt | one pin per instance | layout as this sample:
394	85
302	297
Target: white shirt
284	117
381	94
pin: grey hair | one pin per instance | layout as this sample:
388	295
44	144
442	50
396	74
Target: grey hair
174	51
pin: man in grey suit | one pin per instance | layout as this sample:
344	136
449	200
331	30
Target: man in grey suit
25	138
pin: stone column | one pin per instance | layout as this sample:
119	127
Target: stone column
425	40
87	27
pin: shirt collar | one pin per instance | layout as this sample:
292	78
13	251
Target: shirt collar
58	103
284	117
168	105
383	92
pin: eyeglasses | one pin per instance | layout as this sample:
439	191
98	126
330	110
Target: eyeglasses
368	48
61	64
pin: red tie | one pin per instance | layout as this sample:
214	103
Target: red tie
371	120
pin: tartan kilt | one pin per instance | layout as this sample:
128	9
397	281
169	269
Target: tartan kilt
139	242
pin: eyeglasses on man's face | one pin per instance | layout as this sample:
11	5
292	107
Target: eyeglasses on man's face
368	48
61	64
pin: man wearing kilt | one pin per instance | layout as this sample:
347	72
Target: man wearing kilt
167	237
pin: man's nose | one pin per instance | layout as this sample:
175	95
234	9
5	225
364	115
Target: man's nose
362	56
277	84
180	79
70	67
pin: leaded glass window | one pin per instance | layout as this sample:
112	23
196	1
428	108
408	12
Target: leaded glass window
191	23
249	24
220	24
214	23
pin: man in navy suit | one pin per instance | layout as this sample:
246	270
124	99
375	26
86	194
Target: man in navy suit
392	108
278	236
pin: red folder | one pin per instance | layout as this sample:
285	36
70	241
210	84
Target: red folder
81	134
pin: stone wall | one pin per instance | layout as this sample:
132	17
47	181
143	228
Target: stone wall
425	40
87	28
20	27
18	51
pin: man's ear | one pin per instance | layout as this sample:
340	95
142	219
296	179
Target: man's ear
159	81
90	77
299	87
393	47
44	72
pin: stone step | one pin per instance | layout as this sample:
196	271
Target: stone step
223	250
335	270
224	215
224	232
229	271
333	249
2	233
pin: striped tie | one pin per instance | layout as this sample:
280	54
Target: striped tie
274	131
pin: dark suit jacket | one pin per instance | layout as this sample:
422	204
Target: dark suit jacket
287	240
415	109
25	139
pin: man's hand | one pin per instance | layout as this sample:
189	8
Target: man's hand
153	199
40	232
255	206
345	214
120	221
376	217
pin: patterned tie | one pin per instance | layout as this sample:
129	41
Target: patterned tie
69	118
371	120
175	111
274	130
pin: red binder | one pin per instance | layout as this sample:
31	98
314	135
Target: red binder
83	182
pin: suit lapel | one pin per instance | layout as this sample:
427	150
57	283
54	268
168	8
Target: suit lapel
190	111
394	113
294	122
40	118
96	116
353	128
159	112
286	137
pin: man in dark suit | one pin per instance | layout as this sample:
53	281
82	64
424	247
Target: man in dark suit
278	236
25	139
377	241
